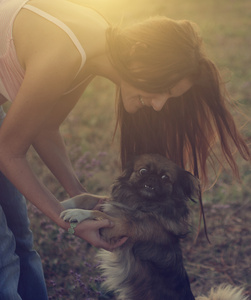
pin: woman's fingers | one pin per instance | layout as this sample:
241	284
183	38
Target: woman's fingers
89	230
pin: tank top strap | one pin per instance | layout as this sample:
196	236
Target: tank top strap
64	27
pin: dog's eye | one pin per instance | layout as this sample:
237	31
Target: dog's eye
143	171
165	177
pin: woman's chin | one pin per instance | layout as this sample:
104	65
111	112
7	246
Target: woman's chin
132	109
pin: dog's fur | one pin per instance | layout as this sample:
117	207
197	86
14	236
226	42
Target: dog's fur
148	204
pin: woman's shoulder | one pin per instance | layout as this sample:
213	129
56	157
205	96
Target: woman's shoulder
46	26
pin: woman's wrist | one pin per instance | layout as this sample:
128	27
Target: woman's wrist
76	190
61	223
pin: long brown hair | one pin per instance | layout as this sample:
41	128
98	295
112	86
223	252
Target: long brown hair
187	127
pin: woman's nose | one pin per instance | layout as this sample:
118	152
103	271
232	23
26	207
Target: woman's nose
158	103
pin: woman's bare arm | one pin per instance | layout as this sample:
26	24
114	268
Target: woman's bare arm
50	147
41	89
46	79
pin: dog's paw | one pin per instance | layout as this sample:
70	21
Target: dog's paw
75	215
68	204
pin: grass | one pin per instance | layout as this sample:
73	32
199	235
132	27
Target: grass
69	263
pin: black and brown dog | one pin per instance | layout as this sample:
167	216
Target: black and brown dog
148	204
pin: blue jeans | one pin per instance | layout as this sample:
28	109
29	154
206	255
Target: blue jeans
21	273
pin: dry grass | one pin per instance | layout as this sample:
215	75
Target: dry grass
227	258
69	263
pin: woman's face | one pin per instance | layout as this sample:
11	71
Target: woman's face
134	99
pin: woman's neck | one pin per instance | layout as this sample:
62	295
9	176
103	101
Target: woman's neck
101	66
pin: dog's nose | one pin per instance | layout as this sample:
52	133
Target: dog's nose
152	180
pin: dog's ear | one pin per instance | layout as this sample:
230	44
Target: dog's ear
190	185
128	170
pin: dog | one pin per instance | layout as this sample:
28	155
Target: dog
149	205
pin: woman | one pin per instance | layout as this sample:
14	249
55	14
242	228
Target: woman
169	101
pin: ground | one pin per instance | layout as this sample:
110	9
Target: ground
228	258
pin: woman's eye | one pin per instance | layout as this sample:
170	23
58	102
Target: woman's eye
143	171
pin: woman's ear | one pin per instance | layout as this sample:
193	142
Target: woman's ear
137	48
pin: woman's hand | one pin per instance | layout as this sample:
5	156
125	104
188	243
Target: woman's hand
89	231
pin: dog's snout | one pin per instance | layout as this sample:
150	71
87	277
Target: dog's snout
153	181
153	184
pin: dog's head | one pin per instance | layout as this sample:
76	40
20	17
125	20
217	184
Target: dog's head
153	184
153	176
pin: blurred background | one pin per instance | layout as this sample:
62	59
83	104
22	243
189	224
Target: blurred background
69	263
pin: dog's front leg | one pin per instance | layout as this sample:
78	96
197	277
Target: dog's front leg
79	215
111	235
84	201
